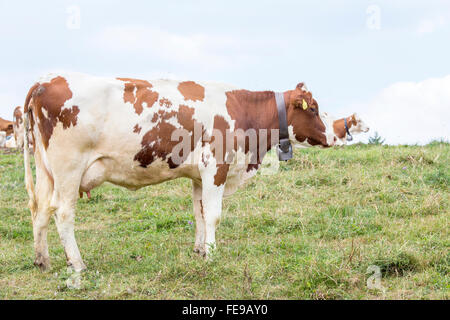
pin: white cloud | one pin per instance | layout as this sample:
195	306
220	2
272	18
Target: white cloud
409	112
216	52
7	104
431	25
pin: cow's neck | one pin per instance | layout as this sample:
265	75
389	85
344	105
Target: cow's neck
255	110
339	127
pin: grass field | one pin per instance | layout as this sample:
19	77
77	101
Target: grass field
309	232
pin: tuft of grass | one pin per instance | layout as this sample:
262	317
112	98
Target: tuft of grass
397	265
439	178
308	232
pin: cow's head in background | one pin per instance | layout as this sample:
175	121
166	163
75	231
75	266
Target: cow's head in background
2	139
358	125
355	125
7	126
18	126
306	126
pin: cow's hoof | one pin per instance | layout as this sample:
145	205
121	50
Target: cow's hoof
200	251
42	263
81	268
76	267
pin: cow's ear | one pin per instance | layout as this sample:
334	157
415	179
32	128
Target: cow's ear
300	96
297	95
296	100
300	103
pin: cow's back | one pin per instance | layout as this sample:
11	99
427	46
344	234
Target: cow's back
126	123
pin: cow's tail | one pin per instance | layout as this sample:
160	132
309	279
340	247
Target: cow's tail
29	183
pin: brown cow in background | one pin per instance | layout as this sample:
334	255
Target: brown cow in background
18	126
7	126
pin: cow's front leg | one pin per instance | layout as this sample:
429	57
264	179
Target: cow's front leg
212	208
213	186
199	246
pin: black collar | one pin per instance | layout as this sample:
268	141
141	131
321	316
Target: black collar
284	147
349	135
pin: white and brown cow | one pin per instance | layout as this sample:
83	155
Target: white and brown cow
6	126
345	128
88	130
18	126
2	139
19	129
10	142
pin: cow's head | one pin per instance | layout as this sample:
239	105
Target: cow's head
357	124
17	116
306	126
9	129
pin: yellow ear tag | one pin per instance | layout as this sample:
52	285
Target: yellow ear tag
304	105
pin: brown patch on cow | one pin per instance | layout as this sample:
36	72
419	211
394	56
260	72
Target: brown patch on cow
352	121
339	126
138	92
221	175
201	209
137	129
68	117
155	117
223	164
205	160
28	107
191	91
221	125
128	94
165	102
51	97
163	115
7	126
253	166
157	142
185	119
253	110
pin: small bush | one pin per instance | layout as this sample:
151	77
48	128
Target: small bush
376	139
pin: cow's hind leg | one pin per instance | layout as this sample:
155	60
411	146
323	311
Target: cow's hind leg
40	213
64	199
40	229
65	223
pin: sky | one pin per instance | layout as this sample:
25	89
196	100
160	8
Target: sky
389	61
